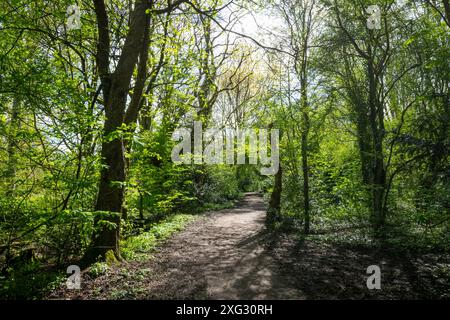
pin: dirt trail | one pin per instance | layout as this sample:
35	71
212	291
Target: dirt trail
229	255
223	257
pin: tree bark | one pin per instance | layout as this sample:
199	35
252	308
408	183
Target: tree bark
275	198
115	90
305	171
376	121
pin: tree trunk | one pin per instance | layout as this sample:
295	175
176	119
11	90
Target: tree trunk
109	205
376	120
305	170
364	143
110	199
305	135
273	213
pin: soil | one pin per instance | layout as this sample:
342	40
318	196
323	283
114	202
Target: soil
229	254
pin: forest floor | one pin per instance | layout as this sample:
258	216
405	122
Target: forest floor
229	254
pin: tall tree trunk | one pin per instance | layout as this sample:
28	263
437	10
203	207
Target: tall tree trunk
116	86
109	199
273	213
375	124
376	120
305	133
305	171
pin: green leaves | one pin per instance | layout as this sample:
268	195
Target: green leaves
409	41
139	247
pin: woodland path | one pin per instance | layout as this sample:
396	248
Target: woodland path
224	256
229	254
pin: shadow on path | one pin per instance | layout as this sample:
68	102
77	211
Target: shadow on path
229	254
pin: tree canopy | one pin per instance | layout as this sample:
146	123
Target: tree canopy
91	93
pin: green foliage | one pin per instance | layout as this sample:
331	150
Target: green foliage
138	247
97	269
330	111
67	236
159	187
29	281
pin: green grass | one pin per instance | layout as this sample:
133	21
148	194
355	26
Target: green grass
138	247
